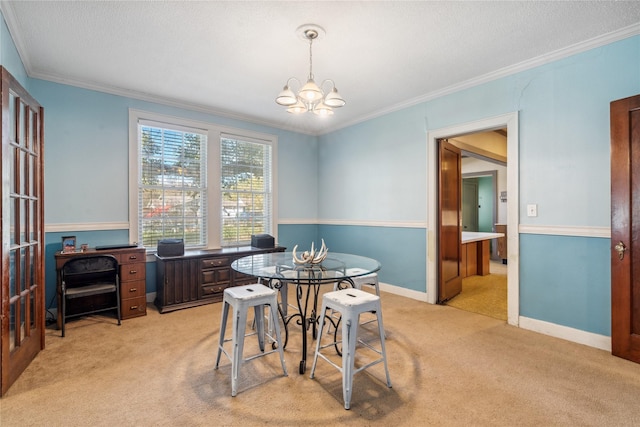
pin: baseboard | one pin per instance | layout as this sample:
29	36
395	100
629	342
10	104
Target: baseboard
578	336
564	332
403	292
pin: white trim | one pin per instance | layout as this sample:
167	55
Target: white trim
614	36
509	120
403	292
366	223
550	230
85	226
214	132
352	222
557	55
551	329
563	230
566	333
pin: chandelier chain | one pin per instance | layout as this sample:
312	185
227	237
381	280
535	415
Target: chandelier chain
310	59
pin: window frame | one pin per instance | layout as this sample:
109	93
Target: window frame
214	133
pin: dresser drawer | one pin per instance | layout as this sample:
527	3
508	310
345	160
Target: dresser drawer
213	290
132	271
214	262
133	307
132	289
216	275
132	257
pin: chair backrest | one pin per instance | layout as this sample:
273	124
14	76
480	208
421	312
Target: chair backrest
83	270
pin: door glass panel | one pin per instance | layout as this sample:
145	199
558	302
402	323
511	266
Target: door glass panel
23	312
32	175
22	177
12	219
29	141
12	116
32	310
23	220
11	165
22	277
21	123
12	274
26	173
32	220
12	327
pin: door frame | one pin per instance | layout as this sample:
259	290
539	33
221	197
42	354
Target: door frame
510	121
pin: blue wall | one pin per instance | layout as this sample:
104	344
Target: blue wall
364	188
564	168
567	281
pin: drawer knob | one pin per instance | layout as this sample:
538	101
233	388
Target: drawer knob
133	307
132	271
133	257
133	290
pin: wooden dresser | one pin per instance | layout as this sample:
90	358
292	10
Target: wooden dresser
200	277
132	263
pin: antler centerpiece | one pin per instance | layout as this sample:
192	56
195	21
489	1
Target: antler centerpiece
310	257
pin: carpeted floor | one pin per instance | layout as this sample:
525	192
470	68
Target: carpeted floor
448	367
485	295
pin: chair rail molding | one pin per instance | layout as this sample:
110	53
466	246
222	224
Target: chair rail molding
85	226
355	223
564	230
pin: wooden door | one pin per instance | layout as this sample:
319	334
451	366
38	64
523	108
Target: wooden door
625	228
22	269
449	221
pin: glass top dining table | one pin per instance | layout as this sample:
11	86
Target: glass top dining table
278	270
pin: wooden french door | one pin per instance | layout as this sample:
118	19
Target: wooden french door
449	221
22	269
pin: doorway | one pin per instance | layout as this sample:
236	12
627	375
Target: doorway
483	179
510	123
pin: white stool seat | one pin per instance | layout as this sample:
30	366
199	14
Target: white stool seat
367	279
350	303
370	279
241	298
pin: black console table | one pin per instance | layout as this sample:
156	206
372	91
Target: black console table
200	277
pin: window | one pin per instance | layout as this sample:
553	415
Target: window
172	187
246	189
209	185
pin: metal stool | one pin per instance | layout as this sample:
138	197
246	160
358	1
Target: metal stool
370	279
241	298
350	303
358	281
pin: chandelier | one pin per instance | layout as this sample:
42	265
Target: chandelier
310	97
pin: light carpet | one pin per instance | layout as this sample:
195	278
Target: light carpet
448	367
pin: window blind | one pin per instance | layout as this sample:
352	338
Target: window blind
246	188
172	184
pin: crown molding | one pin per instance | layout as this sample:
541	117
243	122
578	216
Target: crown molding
583	46
11	21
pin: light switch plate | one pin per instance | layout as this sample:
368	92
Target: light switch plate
532	210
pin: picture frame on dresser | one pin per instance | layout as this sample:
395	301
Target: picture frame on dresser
68	244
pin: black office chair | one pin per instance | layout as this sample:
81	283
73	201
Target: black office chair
84	279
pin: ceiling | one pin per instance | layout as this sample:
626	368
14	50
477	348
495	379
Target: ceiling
233	57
